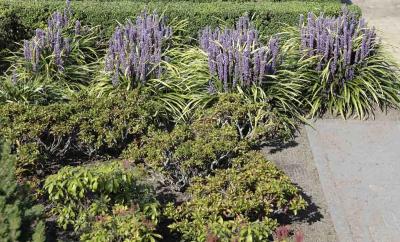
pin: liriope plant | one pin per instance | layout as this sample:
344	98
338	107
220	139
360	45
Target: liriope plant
57	60
343	67
149	53
236	56
136	51
184	86
239	61
228	60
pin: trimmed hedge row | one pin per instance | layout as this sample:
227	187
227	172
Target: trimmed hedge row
23	17
209	1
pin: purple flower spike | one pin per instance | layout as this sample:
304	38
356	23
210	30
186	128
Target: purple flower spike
340	42
27	50
77	27
136	49
236	56
51	39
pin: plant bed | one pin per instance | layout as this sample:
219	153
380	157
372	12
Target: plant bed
148	129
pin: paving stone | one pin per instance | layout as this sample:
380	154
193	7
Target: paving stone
384	15
359	166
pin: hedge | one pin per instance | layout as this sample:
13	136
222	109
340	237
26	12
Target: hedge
23	17
209	1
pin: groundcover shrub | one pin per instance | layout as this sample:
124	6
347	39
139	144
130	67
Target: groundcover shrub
45	137
101	202
254	120
186	152
112	201
236	203
229	127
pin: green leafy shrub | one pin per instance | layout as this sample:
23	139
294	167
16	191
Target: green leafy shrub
19	218
98	197
125	224
185	152
252	115
271	17
230	126
236	203
47	137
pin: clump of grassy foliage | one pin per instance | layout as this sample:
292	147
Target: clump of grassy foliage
57	61
343	66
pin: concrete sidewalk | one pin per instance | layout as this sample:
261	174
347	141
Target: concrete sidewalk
359	166
385	16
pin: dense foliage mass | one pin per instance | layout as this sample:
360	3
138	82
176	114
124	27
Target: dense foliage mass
20	219
148	130
45	137
236	203
94	199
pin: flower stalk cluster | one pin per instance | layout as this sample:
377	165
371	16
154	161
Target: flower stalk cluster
341	43
51	40
236	55
135	50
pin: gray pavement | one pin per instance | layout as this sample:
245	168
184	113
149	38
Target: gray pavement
385	16
296	160
359	166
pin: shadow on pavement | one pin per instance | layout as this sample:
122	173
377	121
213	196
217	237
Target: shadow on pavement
309	215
